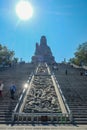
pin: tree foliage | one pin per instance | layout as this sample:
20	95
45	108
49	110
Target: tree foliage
80	55
6	56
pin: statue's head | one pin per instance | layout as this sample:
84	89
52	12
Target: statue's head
43	40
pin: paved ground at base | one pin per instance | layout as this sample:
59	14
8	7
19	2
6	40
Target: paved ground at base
41	127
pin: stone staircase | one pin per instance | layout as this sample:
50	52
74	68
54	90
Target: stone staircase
42	102
19	74
6	109
74	88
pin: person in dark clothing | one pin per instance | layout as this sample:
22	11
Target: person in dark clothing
66	71
12	90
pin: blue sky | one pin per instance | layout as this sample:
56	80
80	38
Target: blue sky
63	22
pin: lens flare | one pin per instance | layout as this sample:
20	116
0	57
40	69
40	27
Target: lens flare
24	10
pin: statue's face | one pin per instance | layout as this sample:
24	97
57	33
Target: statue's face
43	39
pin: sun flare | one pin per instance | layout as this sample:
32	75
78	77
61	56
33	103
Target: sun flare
24	10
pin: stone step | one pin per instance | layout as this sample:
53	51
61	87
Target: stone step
77	106
6	116
8	110
79	109
76	111
82	119
80	115
6	106
5	119
83	122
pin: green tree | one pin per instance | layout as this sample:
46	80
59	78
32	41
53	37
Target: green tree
6	56
15	60
80	55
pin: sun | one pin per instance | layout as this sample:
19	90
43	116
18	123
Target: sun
24	10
